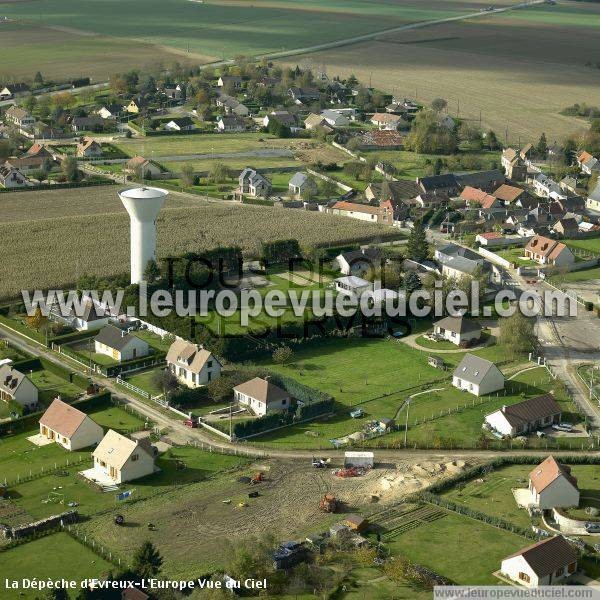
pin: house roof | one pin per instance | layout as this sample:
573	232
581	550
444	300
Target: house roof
355	520
10	379
549	471
528	411
262	390
299	179
490	235
87	143
25	161
113	337
385	118
191	356
545	246
284	117
474	368
366	254
508	193
548	556
38	149
353	207
436	182
91	312
17	112
567	224
314	120
584	156
385	138
182	121
352	281
481	179
115	449
62	418
459	324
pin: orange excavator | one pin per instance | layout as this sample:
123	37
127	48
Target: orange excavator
328	503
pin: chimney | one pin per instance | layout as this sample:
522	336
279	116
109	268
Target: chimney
267	378
504	408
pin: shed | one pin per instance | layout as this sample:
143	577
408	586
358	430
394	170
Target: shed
364	460
356	523
435	361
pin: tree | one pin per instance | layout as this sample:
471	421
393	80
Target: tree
417	247
188	177
542	146
70	169
57	594
412	282
166	381
517	333
36	320
30	103
328	188
439	104
570	150
283	355
491	140
219	173
38	79
220	388
147	561
152	271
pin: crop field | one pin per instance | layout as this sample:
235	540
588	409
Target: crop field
518	70
76	240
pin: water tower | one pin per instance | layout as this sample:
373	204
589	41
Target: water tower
143	205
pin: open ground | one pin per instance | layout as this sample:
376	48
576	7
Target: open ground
518	70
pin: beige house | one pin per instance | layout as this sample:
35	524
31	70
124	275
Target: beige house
143	167
261	396
551	485
547	251
69	427
548	562
119	344
192	364
120	459
16	386
89	148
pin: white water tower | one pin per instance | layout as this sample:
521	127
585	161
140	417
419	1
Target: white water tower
143	205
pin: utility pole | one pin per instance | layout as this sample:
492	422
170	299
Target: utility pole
457	108
406	423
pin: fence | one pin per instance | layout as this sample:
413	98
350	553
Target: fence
46	471
590	385
342	186
493	257
93	545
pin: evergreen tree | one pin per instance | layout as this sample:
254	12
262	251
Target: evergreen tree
569	150
542	146
411	283
152	271
147	561
417	247
38	79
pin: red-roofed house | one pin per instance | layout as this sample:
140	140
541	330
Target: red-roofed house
547	251
552	486
363	212
491	238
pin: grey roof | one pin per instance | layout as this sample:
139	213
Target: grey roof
113	337
436	182
91	313
462	264
10	379
474	368
299	179
481	179
595	194
366	254
455	250
459	324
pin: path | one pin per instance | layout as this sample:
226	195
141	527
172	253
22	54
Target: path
411	340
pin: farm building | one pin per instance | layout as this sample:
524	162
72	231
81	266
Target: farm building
547	562
16	386
69	427
356	523
118	459
261	396
552	486
458	330
119	344
192	364
477	376
526	416
362	460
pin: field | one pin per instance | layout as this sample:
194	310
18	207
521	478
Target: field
74	561
26	263
73	38
467	62
589	245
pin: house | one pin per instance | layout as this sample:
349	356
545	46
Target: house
458	330
302	185
490	238
566	227
359	262
508	193
477	376
180	124
476	197
232	106
335	118
546	187
133	107
433	200
381	139
548	562
12	89
192	364
284	117
485	180
173	91
351	285
39	150
551	485
120	345
583	157
119	459
314	120
11	177
16	386
446	183
232	81
28	163
252	183
93	317
304	95
89	148
364	212
20	117
110	111
524	417
458	261
143	168
546	251
593	200
386	120
231	123
69	427
92	123
261	396
514	166
591	166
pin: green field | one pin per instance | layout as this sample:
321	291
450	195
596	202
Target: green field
575	276
591	245
53	557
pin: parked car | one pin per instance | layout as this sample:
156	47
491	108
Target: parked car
357	413
592	527
540	434
568	427
193	422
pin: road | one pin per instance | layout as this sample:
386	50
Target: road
94	86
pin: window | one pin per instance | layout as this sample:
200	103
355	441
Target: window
524	577
559	573
135	457
284	401
572	568
209	364
209	376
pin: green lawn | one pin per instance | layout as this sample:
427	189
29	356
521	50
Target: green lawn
235	163
53	557
589	244
146	380
574	276
154	340
516	256
459	548
50	386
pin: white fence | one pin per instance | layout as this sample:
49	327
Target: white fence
342	186
493	257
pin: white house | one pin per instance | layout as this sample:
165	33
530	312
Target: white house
548	562
120	459
359	262
477	376
261	396
120	345
92	317
551	485
69	427
547	251
351	285
11	177
192	364
16	386
231	123
457	330
524	417
180	124
334	118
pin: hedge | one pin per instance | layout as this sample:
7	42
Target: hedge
58	186
130	365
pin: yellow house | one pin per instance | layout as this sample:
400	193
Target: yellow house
132	108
